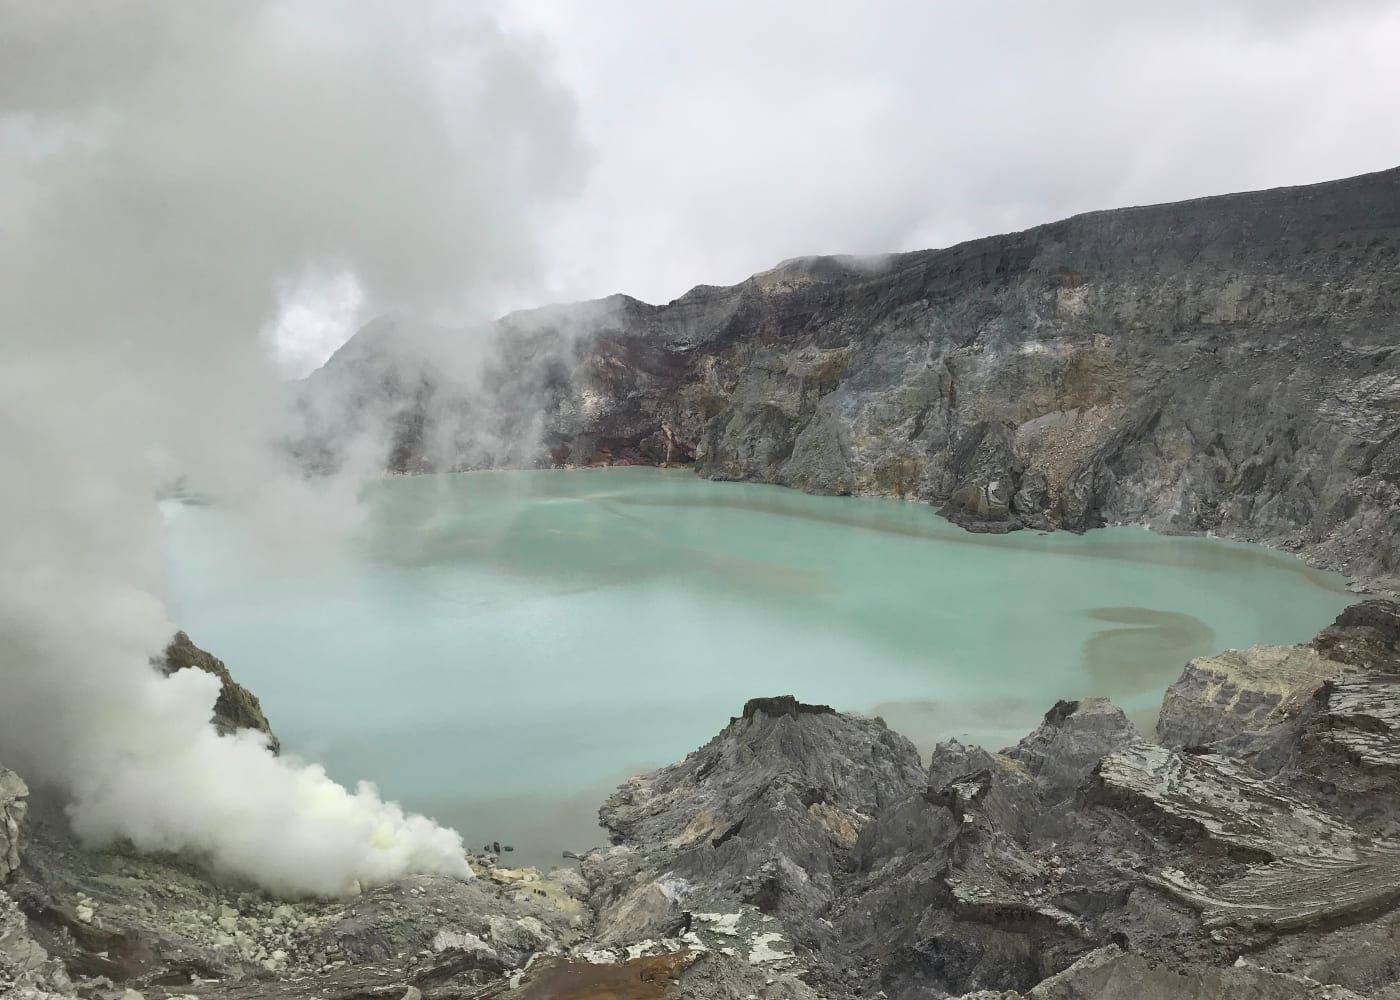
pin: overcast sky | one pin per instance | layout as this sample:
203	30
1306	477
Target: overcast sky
709	139
730	134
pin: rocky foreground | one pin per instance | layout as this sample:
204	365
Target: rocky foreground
1228	364
1249	848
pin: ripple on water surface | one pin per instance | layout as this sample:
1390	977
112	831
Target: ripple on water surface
498	649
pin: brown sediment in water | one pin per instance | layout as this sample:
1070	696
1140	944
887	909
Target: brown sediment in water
648	978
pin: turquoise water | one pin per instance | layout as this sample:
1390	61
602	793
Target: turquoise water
499	649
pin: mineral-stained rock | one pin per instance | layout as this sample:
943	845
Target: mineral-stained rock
1218	799
1241	691
237	707
1226	364
145	921
1344	749
1362	719
1312	869
643	978
1322	717
1112	974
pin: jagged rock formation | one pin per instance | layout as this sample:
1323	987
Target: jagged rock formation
1229	364
1112	974
13	793
236	707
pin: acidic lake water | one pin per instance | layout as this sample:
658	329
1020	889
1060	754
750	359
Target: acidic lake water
499	650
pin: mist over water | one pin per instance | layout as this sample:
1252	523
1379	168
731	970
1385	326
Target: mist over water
499	649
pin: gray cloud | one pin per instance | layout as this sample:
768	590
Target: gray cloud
731	135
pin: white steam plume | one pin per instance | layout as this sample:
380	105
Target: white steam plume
165	169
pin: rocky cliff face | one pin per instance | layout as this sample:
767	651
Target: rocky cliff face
1230	364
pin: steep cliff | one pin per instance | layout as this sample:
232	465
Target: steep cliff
1229	364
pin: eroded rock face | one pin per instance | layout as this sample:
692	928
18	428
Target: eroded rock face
1112	974
1365	635
1227	364
1087	861
1072	739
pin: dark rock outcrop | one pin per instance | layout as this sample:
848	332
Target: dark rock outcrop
236	707
1228	364
1072	739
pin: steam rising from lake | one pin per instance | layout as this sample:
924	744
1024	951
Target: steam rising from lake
501	648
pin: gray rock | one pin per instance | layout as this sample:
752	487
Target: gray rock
1069	743
1365	635
1111	974
141	921
236	706
764	815
26	971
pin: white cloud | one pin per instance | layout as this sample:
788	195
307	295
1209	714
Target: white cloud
730	135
